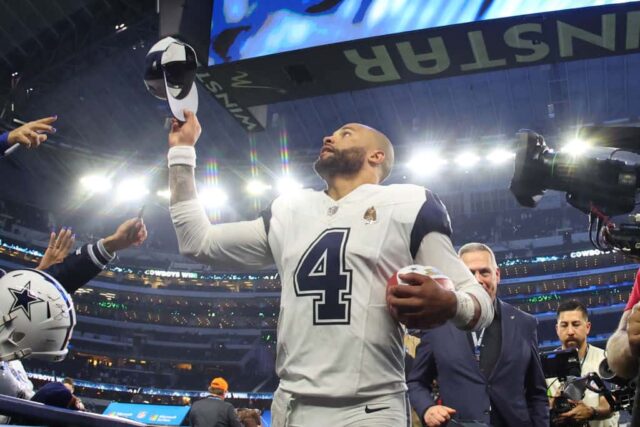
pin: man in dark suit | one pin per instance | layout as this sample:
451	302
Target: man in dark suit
213	410
493	376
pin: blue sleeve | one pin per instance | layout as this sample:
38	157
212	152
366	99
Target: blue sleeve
4	142
433	216
535	385
78	268
421	377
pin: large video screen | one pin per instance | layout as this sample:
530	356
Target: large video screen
242	29
149	414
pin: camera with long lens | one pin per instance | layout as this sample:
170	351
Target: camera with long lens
564	365
598	185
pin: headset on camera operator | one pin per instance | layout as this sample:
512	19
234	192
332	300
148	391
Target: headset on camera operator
573	327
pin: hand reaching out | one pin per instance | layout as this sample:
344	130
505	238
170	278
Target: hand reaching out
132	232
57	249
32	134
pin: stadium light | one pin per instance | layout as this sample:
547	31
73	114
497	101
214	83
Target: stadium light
213	197
500	156
165	194
426	163
96	183
132	189
467	159
257	188
287	184
575	147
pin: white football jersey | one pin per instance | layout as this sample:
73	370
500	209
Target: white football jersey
14	381
336	337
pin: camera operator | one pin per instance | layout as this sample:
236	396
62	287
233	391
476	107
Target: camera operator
573	327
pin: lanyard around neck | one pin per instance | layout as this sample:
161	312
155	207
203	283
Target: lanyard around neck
477	341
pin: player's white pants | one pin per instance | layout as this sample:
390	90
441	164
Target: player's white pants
382	411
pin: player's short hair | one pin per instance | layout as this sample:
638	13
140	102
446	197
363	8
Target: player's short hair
477	247
573	305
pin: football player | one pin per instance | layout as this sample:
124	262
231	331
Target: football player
340	354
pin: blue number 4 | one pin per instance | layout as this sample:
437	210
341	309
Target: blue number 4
322	275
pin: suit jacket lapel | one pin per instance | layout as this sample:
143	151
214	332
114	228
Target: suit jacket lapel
508	323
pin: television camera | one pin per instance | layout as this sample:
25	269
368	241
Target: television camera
596	184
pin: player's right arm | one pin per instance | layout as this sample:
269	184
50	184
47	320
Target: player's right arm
238	245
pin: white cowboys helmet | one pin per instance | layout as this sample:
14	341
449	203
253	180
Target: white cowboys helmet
37	316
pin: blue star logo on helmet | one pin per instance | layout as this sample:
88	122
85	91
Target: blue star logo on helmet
23	298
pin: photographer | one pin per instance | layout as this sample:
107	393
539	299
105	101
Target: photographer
573	327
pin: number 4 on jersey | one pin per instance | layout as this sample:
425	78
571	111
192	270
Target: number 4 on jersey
322	275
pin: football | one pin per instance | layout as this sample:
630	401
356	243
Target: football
432	272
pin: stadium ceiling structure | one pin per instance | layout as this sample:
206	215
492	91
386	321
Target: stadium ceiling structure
74	59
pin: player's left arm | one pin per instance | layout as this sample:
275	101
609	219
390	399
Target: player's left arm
431	245
474	308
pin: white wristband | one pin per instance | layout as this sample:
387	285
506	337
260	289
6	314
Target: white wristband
104	252
465	310
182	155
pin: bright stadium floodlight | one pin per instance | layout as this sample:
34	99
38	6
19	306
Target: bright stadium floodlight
426	163
287	184
96	183
132	189
467	159
575	147
165	194
257	188
213	197
500	156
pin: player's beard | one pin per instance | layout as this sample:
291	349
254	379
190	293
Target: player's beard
347	162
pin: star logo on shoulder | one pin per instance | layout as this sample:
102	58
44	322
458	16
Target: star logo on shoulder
23	298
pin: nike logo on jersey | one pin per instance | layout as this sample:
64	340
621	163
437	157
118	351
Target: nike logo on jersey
371	410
